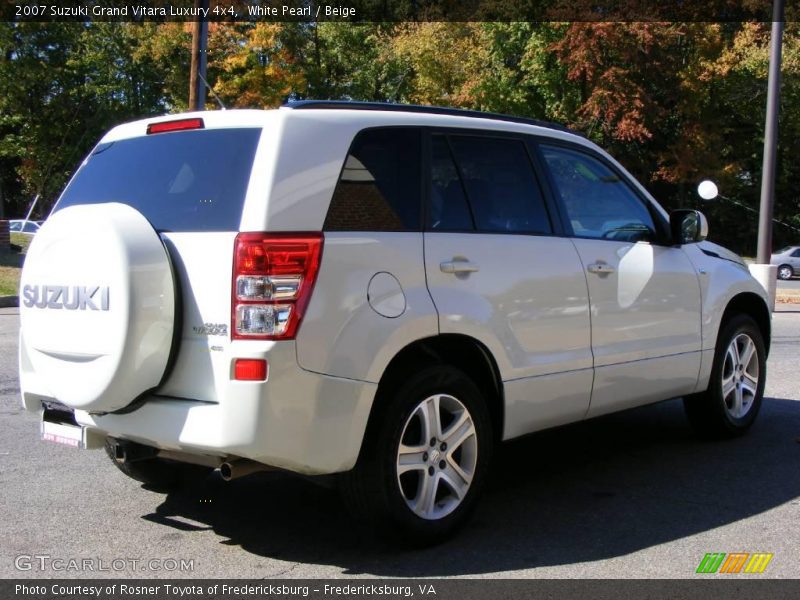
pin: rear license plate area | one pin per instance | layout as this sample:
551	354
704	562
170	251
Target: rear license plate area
58	425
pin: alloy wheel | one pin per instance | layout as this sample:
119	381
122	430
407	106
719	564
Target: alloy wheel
437	456
740	373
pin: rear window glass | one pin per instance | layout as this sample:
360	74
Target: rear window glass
181	181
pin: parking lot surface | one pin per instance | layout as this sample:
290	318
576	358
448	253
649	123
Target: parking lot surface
629	495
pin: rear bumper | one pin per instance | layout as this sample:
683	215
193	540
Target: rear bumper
297	420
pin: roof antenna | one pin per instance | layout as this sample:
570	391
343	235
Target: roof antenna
213	93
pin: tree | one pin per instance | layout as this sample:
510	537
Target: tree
352	61
738	84
674	102
250	65
64	85
440	61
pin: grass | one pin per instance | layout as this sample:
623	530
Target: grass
788	296
11	265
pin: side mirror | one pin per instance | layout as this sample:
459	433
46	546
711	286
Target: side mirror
688	226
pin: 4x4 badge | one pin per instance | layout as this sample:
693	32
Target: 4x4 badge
76	297
211	329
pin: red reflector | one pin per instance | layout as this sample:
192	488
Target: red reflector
179	125
250	369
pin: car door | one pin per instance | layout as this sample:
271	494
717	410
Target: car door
795	260
498	274
644	293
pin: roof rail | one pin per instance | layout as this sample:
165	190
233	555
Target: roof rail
416	108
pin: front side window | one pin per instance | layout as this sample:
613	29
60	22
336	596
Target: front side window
379	187
598	203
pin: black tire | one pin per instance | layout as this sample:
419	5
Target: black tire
158	473
785	272
372	490
709	412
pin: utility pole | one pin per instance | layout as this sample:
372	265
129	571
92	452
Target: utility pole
197	88
771	136
766	274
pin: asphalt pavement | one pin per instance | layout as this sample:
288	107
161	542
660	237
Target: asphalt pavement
634	494
789	284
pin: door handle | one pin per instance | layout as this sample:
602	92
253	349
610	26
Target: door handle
600	268
458	265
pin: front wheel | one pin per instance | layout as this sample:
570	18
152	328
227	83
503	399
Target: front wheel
785	272
423	465
731	403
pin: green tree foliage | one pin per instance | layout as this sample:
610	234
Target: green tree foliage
63	85
251	66
353	62
674	102
738	81
166	48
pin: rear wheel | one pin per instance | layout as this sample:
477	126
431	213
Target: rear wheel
424	464
785	272
731	403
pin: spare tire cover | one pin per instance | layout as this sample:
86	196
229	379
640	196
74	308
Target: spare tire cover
97	306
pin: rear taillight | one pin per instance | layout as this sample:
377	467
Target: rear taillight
273	277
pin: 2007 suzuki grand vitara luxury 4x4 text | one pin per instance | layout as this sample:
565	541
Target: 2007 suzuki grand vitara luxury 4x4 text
377	291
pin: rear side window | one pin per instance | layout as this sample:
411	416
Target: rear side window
180	181
379	187
501	187
449	208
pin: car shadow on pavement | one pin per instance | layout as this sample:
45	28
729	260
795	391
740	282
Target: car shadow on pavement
591	491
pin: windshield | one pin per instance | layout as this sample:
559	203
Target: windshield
181	181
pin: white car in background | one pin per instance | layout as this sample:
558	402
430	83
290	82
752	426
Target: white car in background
23	227
380	292
788	262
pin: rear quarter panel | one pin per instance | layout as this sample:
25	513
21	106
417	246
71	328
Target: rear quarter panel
342	334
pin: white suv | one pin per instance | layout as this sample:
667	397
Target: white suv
371	290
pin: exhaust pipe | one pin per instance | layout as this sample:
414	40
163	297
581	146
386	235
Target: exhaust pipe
119	453
239	467
125	451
